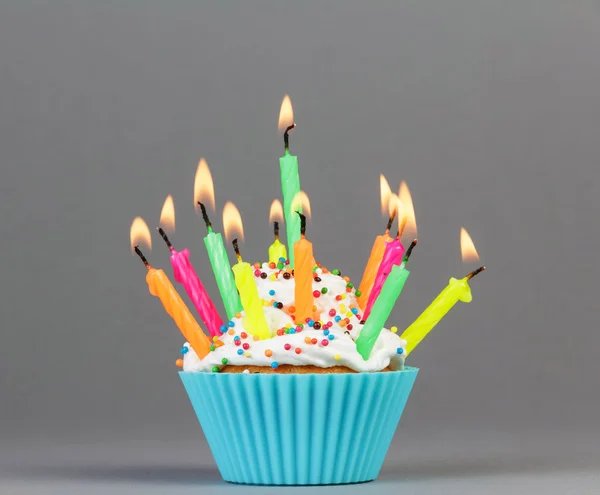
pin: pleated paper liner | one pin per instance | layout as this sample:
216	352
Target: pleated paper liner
299	429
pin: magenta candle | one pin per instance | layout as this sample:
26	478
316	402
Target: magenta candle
186	275
394	252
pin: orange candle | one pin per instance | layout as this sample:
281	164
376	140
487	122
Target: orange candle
370	273
303	274
368	278
161	287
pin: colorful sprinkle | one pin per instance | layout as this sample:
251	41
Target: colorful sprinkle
223	329
399	350
247	354
349	326
280	266
287	347
358	293
273	277
237	342
212	348
256	264
231	323
287	276
317	325
240	352
335	271
215	369
325	342
298	350
231	331
316	293
215	338
325	332
394	329
272	265
243	335
338	318
179	363
274	364
224	361
324	290
314	341
354	311
263	275
337	357
282	260
331	336
184	350
238	315
246	346
307	340
292	309
271	292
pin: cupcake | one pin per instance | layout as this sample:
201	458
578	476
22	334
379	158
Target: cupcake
303	407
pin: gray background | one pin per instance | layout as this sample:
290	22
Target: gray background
489	110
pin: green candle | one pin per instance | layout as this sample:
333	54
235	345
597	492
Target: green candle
381	310
221	268
290	180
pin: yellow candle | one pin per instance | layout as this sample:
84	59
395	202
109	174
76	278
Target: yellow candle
457	290
277	249
254	317
303	275
161	287
368	278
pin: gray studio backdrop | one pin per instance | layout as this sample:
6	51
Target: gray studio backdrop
489	110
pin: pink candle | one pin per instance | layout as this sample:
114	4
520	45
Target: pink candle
186	275
394	252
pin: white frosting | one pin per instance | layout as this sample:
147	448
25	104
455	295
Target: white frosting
339	351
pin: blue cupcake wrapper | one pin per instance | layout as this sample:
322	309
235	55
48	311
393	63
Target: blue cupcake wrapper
312	429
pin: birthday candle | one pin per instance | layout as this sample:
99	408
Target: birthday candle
215	247
382	309
255	321
277	249
394	251
456	290
378	249
160	286
303	274
290	179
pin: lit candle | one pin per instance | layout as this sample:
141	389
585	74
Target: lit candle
204	191
160	286
255	321
290	180
378	249
391	290
186	275
457	290
277	249
393	254
305	262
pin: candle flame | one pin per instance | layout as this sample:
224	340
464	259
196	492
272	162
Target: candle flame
139	234
167	215
395	207
204	188
467	248
301	201
276	213
232	222
407	202
385	190
286	114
